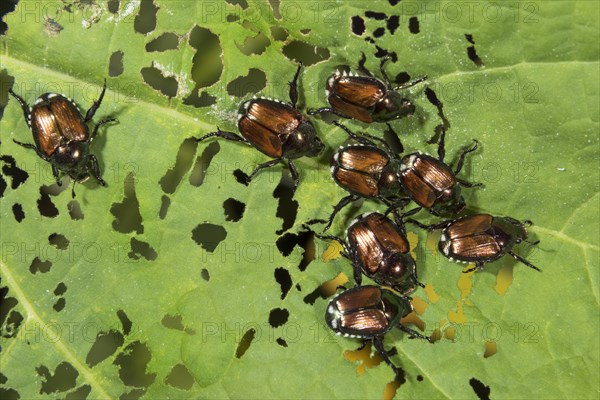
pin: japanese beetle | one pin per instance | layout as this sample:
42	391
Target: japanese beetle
367	170
61	135
366	98
378	247
368	313
480	239
276	129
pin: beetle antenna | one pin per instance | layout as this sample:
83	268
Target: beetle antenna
524	261
73	190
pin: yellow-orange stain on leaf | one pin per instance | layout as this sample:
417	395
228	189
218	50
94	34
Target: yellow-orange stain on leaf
329	287
332	252
419	305
432	295
413	318
465	284
390	390
450	333
364	358
458	316
504	279
490	349
432	241
413	241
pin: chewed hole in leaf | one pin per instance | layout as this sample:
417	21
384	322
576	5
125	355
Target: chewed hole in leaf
133	362
60	289
287	207
113	6
278	317
45	205
204	100
255	45
127	213
234	209
176	322
180	378
393	23
379	32
18	212
81	392
413	25
126	323
134	394
282	342
75	211
154	77
305	53
279	33
60	304
358	25
59	241
241	3
38	265
183	162
9	168
275	7
140	248
471	52
3	185
282	276
63	379
232	18
378	16
207	64
166	41
105	345
165	202
145	21
6	7
202	165
326	289
115	65
482	391
205	275
245	342
8	393
490	349
254	82
208	236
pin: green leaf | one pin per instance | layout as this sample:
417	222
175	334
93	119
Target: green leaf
147	287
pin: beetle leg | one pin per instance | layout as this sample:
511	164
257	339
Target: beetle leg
394	134
412	83
478	267
294	87
361	65
95	169
267	164
24	106
442	145
356	269
326	110
90	113
414	334
73	189
386	79
338	207
223	134
431	227
461	159
363	345
378	344
55	172
294	173
99	124
33	147
524	261
363	138
466	184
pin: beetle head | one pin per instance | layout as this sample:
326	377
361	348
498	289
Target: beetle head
72	158
450	204
397	271
392	106
303	141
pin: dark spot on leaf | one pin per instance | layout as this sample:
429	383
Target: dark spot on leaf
176	322
287	242
145	21
279	33
115	65
305	53
127	213
180	378
113	6
420	378
154	77
135	394
200	169
125	322
59	241
81	393
324	290
234	209
241	177
245	343
166	41
282	276
370	39
6	7
18	212
394	2
133	362
60	289
413	25
205	99
471	52
75	210
205	275
207	64
51	27
379	16
282	342
482	391
141	249
305	32
208	236
401	78
254	45
165	202
105	345
10	323
358	25
3	184
393	23
379	32
287	207
63	379
278	317
183	162
59	305
254	82
298	287
38	265
381	52
8	393
9	168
